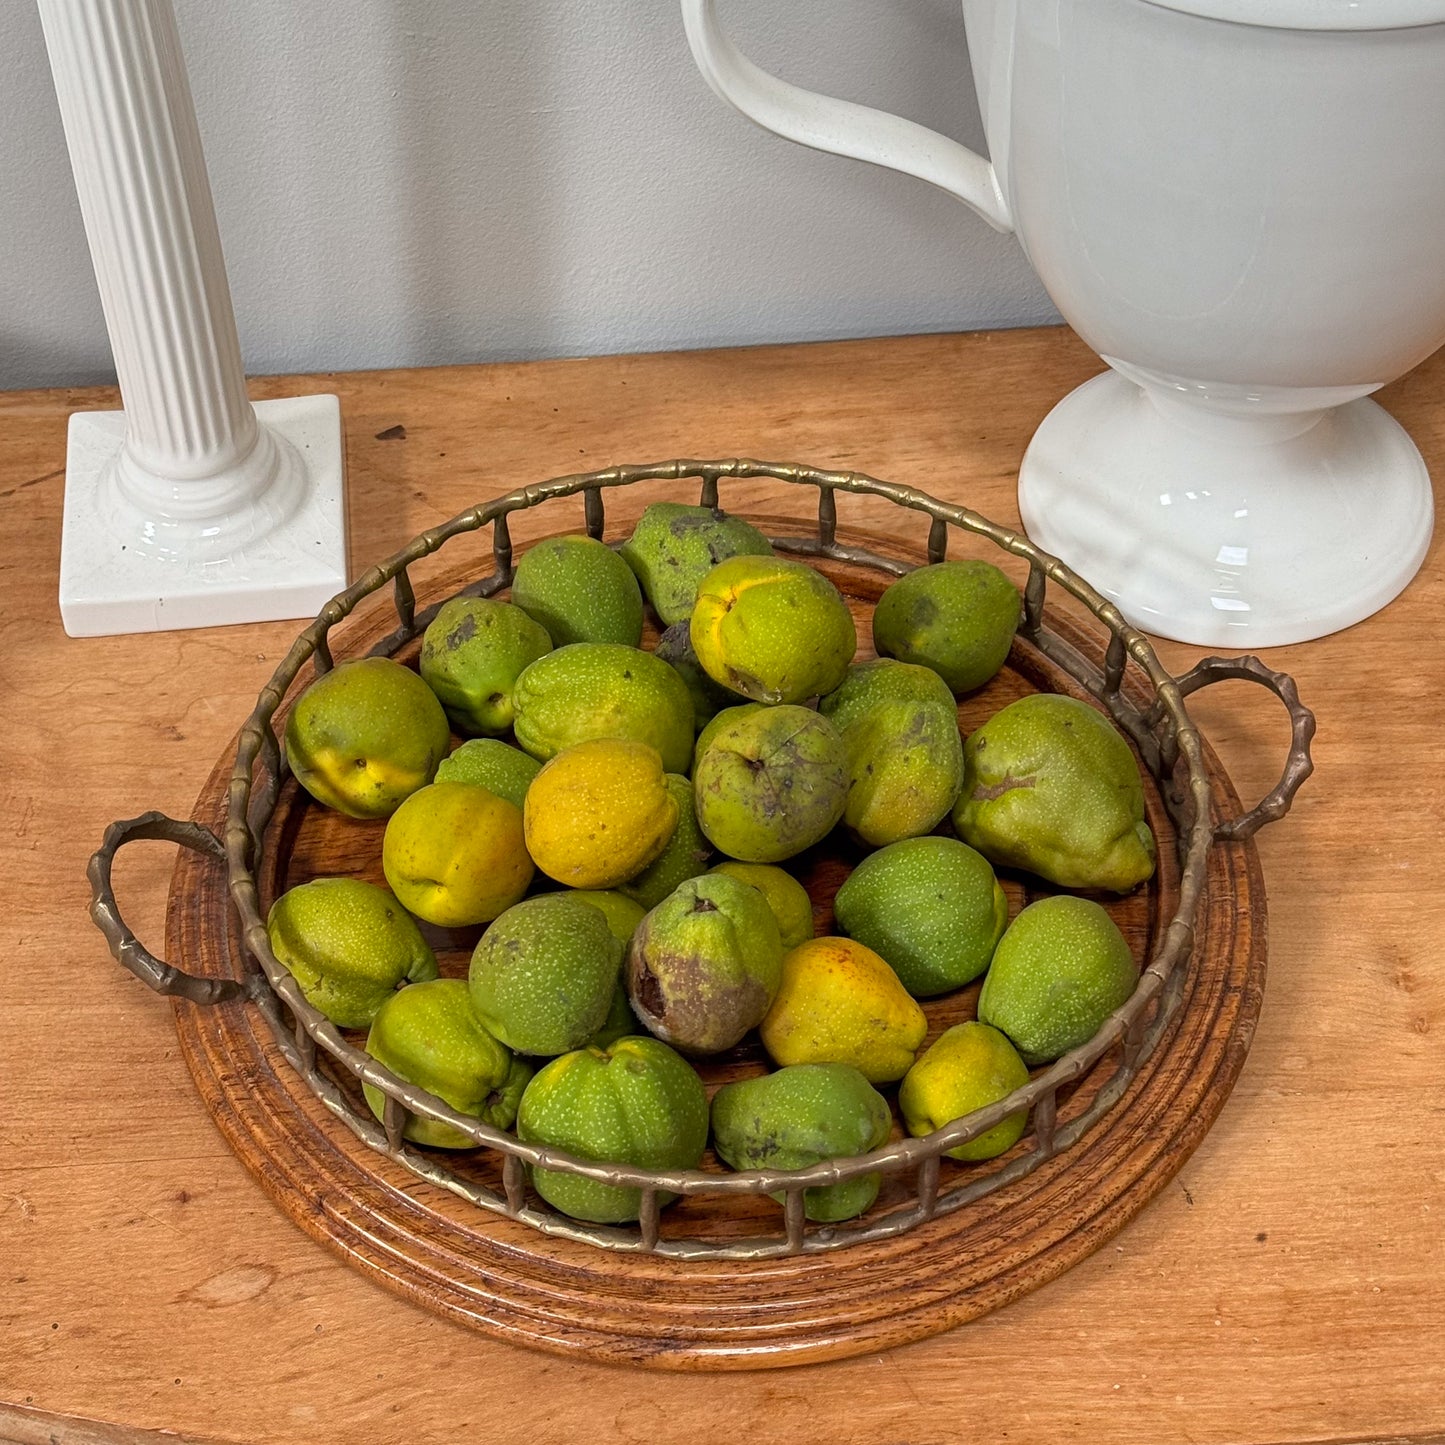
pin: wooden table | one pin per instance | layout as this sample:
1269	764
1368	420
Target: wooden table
1289	1285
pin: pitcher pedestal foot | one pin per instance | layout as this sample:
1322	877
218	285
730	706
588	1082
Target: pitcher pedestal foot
1221	530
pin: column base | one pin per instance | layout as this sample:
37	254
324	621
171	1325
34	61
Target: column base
127	574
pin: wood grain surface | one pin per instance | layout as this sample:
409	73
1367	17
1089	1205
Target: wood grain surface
1288	1286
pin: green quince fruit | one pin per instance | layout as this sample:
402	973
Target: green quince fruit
492	764
430	1036
472	655
958	618
969	1067
1052	787
769	782
905	769
1059	971
580	590
880	680
593	690
799	1116
365	736
931	906
542	977
674	546
349	945
636	1102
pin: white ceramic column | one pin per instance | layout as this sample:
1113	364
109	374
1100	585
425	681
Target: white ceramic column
192	506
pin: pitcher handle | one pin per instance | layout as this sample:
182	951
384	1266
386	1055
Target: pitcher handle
840	126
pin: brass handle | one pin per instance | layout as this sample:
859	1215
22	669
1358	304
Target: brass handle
124	945
1298	764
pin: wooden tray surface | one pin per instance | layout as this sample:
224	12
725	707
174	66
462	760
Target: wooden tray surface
515	1283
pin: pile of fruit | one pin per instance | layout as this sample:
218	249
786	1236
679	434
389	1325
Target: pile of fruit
621	821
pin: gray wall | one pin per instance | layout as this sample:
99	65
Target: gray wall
415	182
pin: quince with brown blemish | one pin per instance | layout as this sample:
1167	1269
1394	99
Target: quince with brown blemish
773	630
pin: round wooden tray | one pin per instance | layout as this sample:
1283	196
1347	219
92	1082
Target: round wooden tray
515	1283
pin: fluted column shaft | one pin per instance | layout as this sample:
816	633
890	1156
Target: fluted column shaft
130	125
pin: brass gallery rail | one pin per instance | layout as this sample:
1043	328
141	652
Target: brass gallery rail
1162	732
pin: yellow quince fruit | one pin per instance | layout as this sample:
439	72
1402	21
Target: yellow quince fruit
599	813
840	1003
453	854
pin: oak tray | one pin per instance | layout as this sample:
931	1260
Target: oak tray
711	1282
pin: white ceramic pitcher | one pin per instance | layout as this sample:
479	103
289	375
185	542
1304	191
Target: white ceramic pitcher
1240	204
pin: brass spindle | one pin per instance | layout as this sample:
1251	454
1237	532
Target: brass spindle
1046	1118
1169	749
254	838
1114	661
502	546
514	1184
265	792
827	516
1034	600
393	1120
594	511
404	599
647	1219
708	496
1134	1041
270	750
938	541
321	657
793	1219
928	1186
305	1048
